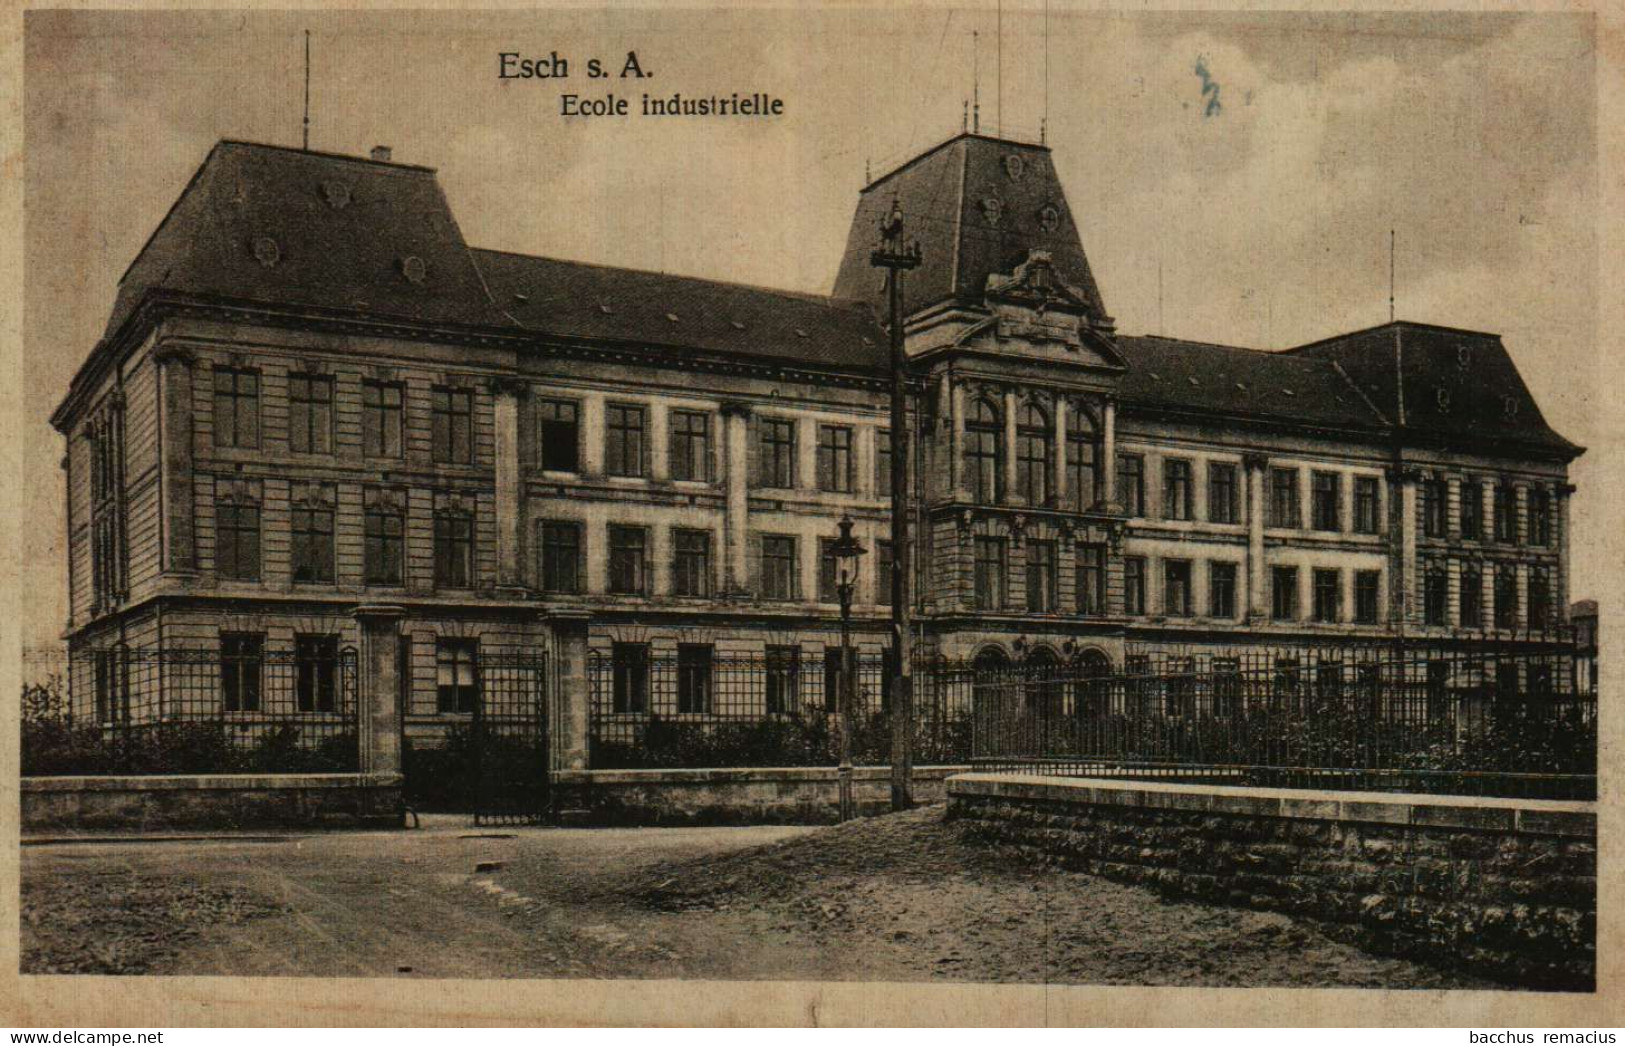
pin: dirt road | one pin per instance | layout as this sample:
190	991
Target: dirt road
894	898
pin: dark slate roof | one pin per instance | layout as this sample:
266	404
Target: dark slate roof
941	194
342	229
577	300
1189	376
284	227
1455	386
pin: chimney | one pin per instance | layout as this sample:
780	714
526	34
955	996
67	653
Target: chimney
381	153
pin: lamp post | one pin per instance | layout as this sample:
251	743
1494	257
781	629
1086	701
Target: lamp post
846	551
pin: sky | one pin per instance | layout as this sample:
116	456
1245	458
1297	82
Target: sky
1260	221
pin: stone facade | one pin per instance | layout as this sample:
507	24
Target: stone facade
292	421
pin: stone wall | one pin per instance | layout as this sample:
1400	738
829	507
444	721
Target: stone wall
777	795
205	802
1505	888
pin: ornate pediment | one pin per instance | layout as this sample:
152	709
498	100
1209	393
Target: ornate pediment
1035	283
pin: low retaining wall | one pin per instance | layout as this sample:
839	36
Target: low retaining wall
771	795
1506	888
214	802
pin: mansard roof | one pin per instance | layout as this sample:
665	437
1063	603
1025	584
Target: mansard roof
1178	376
571	299
976	205
1441	384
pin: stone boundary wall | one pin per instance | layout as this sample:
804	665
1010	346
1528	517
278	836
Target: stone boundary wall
760	795
209	802
1502	887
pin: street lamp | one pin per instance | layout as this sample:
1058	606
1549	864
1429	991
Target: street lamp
845	552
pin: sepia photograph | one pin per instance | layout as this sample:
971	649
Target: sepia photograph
895	496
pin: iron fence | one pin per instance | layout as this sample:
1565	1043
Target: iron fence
239	708
1491	722
697	709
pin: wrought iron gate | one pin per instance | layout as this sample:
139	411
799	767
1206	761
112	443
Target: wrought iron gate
509	741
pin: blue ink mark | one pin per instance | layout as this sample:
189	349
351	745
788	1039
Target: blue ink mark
1210	87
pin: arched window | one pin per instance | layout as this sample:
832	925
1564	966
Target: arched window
1033	448
1081	461
984	457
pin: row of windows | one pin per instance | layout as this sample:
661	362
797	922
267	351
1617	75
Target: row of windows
1178	591
1224	495
237	553
1470	606
1035	450
1470	516
633	668
561	554
310	416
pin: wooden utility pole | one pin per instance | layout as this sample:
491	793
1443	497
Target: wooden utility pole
897	257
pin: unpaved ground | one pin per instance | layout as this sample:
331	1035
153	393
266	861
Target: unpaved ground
895	898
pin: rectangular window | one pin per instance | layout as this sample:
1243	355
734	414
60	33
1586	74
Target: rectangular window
1134	585
624	452
381	419
778	567
1080	469
237	541
629	664
1286	685
1176	587
457	676
1326	491
989	573
452	434
885	563
1472	510
1284	498
1435	594
1365	504
1284	593
453	549
1365	596
1091	579
1540	598
384	541
1221	585
694	678
1472	596
1131	483
1506	597
236	408
310	413
1435	497
316	664
560	547
242	658
835	459
778	453
691	455
313	546
1041	577
783	680
1176	489
1540	517
691	563
1328	591
1223	494
1506	514
558	426
628	560
883	463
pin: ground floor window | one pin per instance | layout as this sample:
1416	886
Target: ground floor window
630	666
457	682
316	661
693	678
242	660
